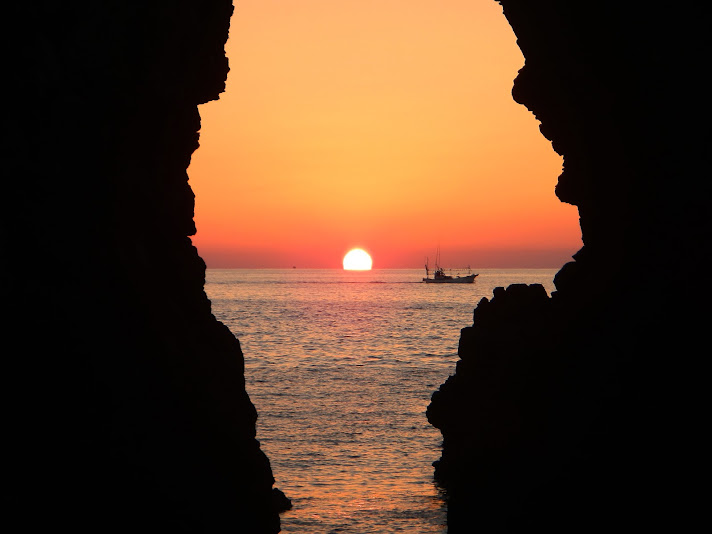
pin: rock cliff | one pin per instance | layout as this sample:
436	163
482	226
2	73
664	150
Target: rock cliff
579	412
127	396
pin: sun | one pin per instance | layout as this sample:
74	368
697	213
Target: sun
357	260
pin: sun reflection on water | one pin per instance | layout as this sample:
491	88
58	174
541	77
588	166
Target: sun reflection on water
341	367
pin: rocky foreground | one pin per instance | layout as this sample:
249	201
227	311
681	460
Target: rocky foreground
580	412
129	396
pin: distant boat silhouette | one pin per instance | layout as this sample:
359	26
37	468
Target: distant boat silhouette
439	276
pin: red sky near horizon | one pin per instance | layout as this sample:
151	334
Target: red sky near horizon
386	125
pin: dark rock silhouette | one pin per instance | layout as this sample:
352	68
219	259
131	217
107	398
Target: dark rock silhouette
127	397
579	412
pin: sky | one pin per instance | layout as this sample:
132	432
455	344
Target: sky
386	125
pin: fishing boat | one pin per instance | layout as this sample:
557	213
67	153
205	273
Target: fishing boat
440	277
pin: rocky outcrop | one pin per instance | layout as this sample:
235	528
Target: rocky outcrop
579	412
128	400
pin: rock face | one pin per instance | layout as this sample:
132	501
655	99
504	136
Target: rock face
128	400
577	412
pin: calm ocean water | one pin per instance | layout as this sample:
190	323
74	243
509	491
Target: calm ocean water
341	366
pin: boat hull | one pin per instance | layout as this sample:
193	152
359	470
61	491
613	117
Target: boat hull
470	279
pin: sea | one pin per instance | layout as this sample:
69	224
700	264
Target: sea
341	366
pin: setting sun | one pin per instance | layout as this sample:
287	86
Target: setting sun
357	260
328	102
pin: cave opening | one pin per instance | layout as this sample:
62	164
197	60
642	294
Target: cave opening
393	128
128	402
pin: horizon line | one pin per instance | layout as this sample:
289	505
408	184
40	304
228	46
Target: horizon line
293	268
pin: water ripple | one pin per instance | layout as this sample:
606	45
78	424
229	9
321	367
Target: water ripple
341	367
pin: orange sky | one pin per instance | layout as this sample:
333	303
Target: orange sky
382	124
